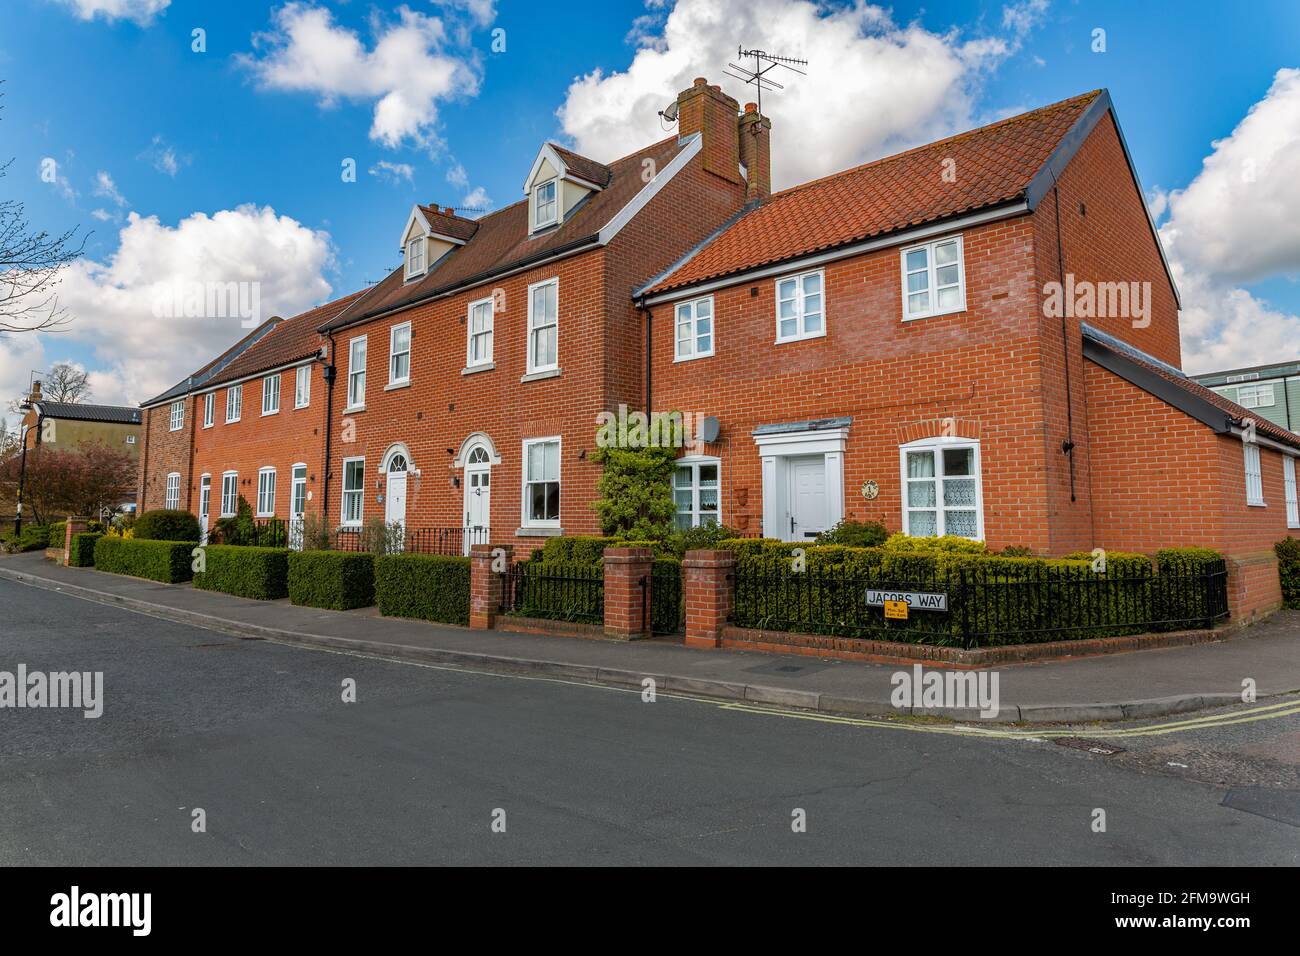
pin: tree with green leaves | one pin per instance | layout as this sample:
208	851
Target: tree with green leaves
635	489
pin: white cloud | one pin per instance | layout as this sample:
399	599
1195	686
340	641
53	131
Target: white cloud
112	303
105	187
141	11
1238	222
407	73
482	12
103	215
457	176
872	86
393	173
162	156
476	199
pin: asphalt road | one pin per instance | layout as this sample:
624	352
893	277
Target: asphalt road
417	769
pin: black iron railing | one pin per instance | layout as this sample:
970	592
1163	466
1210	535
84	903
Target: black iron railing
451	541
562	592
667	607
979	607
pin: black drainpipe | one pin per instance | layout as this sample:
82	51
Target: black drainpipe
1067	446
327	371
648	356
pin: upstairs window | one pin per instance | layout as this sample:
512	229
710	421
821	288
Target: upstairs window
209	409
399	354
800	307
1254	475
271	394
357	372
941	488
234	403
479	346
543	325
694	329
415	257
302	386
1256	396
177	419
546	206
933	279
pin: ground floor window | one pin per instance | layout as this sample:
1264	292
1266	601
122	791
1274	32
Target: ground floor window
173	499
266	492
695	492
542	482
1254	475
1292	502
353	475
941	488
229	494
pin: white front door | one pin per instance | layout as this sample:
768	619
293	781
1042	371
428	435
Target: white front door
395	498
807	497
297	505
478	505
205	505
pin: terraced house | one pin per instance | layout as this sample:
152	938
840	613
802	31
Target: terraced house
977	337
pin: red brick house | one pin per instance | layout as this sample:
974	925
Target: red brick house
975	337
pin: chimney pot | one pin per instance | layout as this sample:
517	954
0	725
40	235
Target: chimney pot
751	107
701	81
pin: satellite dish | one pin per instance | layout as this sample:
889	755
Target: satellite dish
709	429
670	112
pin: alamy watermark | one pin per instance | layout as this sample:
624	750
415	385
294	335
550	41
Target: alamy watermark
1082	299
208	300
946	690
78	690
637	429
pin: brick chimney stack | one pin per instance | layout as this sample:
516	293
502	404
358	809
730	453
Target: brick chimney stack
36	391
707	110
755	134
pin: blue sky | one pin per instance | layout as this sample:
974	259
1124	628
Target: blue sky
258	124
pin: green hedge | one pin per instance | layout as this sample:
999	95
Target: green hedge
584	549
82	552
166	524
1288	568
35	537
166	561
1060	598
260	573
58	533
433	587
338	580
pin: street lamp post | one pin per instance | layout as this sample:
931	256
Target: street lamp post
22	467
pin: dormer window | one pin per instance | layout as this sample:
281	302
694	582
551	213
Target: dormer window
545	204
415	257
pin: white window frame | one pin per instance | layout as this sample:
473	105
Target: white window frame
532	368
176	416
525	519
931	271
265	489
692	320
359	493
800	297
209	409
172	494
694	463
538	221
1254	467
352	403
415	264
234	402
1252	396
271	391
1292	500
302	386
393	354
937	446
231	477
486	333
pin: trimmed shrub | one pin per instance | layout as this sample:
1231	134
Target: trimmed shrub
166	561
338	580
167	524
905	542
855	534
1186	559
700	538
576	549
82	552
1288	568
432	587
259	573
58	533
35	537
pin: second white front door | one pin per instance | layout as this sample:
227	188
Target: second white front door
205	505
395	498
807	497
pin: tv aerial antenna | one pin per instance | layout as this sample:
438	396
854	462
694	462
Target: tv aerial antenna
763	64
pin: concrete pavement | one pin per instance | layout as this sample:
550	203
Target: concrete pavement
1115	687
